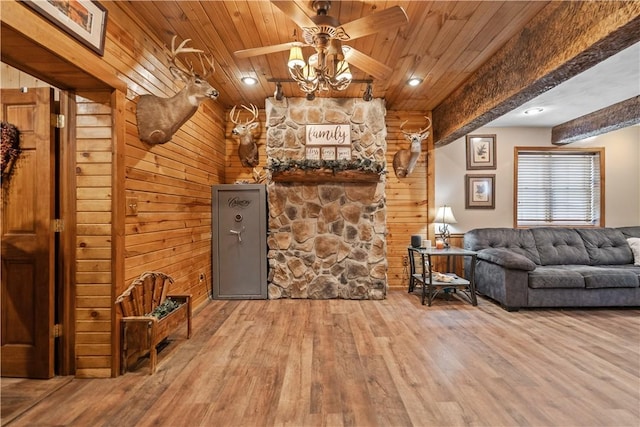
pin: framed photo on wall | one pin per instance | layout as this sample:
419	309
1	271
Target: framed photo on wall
479	191
481	152
84	20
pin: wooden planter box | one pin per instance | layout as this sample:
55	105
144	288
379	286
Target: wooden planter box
141	334
324	175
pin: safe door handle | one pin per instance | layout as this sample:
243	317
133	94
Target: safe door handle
237	233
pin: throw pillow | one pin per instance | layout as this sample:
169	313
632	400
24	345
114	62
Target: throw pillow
634	242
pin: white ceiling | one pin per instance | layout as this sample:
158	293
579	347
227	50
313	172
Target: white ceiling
611	81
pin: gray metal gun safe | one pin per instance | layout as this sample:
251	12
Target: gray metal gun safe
239	241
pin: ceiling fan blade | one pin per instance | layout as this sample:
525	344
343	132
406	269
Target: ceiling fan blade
295	13
367	64
385	19
265	50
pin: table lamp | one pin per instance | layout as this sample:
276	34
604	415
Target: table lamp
444	216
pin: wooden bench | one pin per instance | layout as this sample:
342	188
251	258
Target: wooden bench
142	332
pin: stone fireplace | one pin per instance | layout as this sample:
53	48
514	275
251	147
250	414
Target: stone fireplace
327	228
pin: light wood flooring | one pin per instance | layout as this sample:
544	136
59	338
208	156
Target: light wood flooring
370	363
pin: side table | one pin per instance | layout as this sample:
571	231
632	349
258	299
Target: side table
424	275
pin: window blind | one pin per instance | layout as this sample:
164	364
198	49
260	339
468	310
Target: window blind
558	188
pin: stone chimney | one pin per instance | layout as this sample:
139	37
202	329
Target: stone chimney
327	229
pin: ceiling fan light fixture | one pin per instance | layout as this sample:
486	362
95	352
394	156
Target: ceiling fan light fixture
278	94
249	81
343	72
295	57
368	93
414	81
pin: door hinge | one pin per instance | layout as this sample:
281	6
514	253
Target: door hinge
58	225
57	330
58	120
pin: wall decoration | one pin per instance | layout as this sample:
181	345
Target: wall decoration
244	133
84	20
479	191
481	152
10	149
312	153
328	153
404	161
159	118
328	135
343	153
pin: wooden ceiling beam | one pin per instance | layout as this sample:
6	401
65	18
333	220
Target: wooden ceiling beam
614	117
563	40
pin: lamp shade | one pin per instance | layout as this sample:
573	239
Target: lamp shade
343	71
295	57
445	215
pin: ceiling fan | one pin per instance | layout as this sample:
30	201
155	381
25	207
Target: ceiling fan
326	34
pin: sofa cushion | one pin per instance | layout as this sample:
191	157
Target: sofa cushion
507	258
555	276
606	246
518	241
604	277
560	246
633	231
634	244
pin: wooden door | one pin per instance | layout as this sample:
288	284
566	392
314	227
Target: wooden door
28	252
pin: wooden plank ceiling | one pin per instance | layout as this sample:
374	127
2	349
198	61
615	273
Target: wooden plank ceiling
443	43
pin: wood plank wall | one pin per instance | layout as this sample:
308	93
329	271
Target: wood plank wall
407	198
93	278
408	201
172	183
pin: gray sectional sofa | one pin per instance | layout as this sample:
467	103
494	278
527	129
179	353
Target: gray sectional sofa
556	267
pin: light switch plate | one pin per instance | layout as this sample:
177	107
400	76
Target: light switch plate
132	206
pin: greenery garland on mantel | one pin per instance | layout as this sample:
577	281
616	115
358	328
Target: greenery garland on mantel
364	165
290	170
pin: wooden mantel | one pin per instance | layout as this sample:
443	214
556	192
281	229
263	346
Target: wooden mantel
325	175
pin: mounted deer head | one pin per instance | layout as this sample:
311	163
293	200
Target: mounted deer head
404	161
159	118
248	149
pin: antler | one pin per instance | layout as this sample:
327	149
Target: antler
253	110
420	132
182	49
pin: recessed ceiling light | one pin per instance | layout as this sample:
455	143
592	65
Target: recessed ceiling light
414	81
533	111
249	81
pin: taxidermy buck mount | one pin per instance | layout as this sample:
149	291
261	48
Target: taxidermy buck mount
404	161
248	149
159	118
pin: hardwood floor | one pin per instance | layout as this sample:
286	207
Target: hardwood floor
373	363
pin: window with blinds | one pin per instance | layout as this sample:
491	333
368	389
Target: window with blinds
558	187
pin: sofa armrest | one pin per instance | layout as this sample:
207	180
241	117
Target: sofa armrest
506	258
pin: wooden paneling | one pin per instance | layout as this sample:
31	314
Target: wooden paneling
93	303
407	198
442	43
569	38
172	182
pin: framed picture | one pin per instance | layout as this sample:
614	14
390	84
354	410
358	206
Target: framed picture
84	20
480	191
481	152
